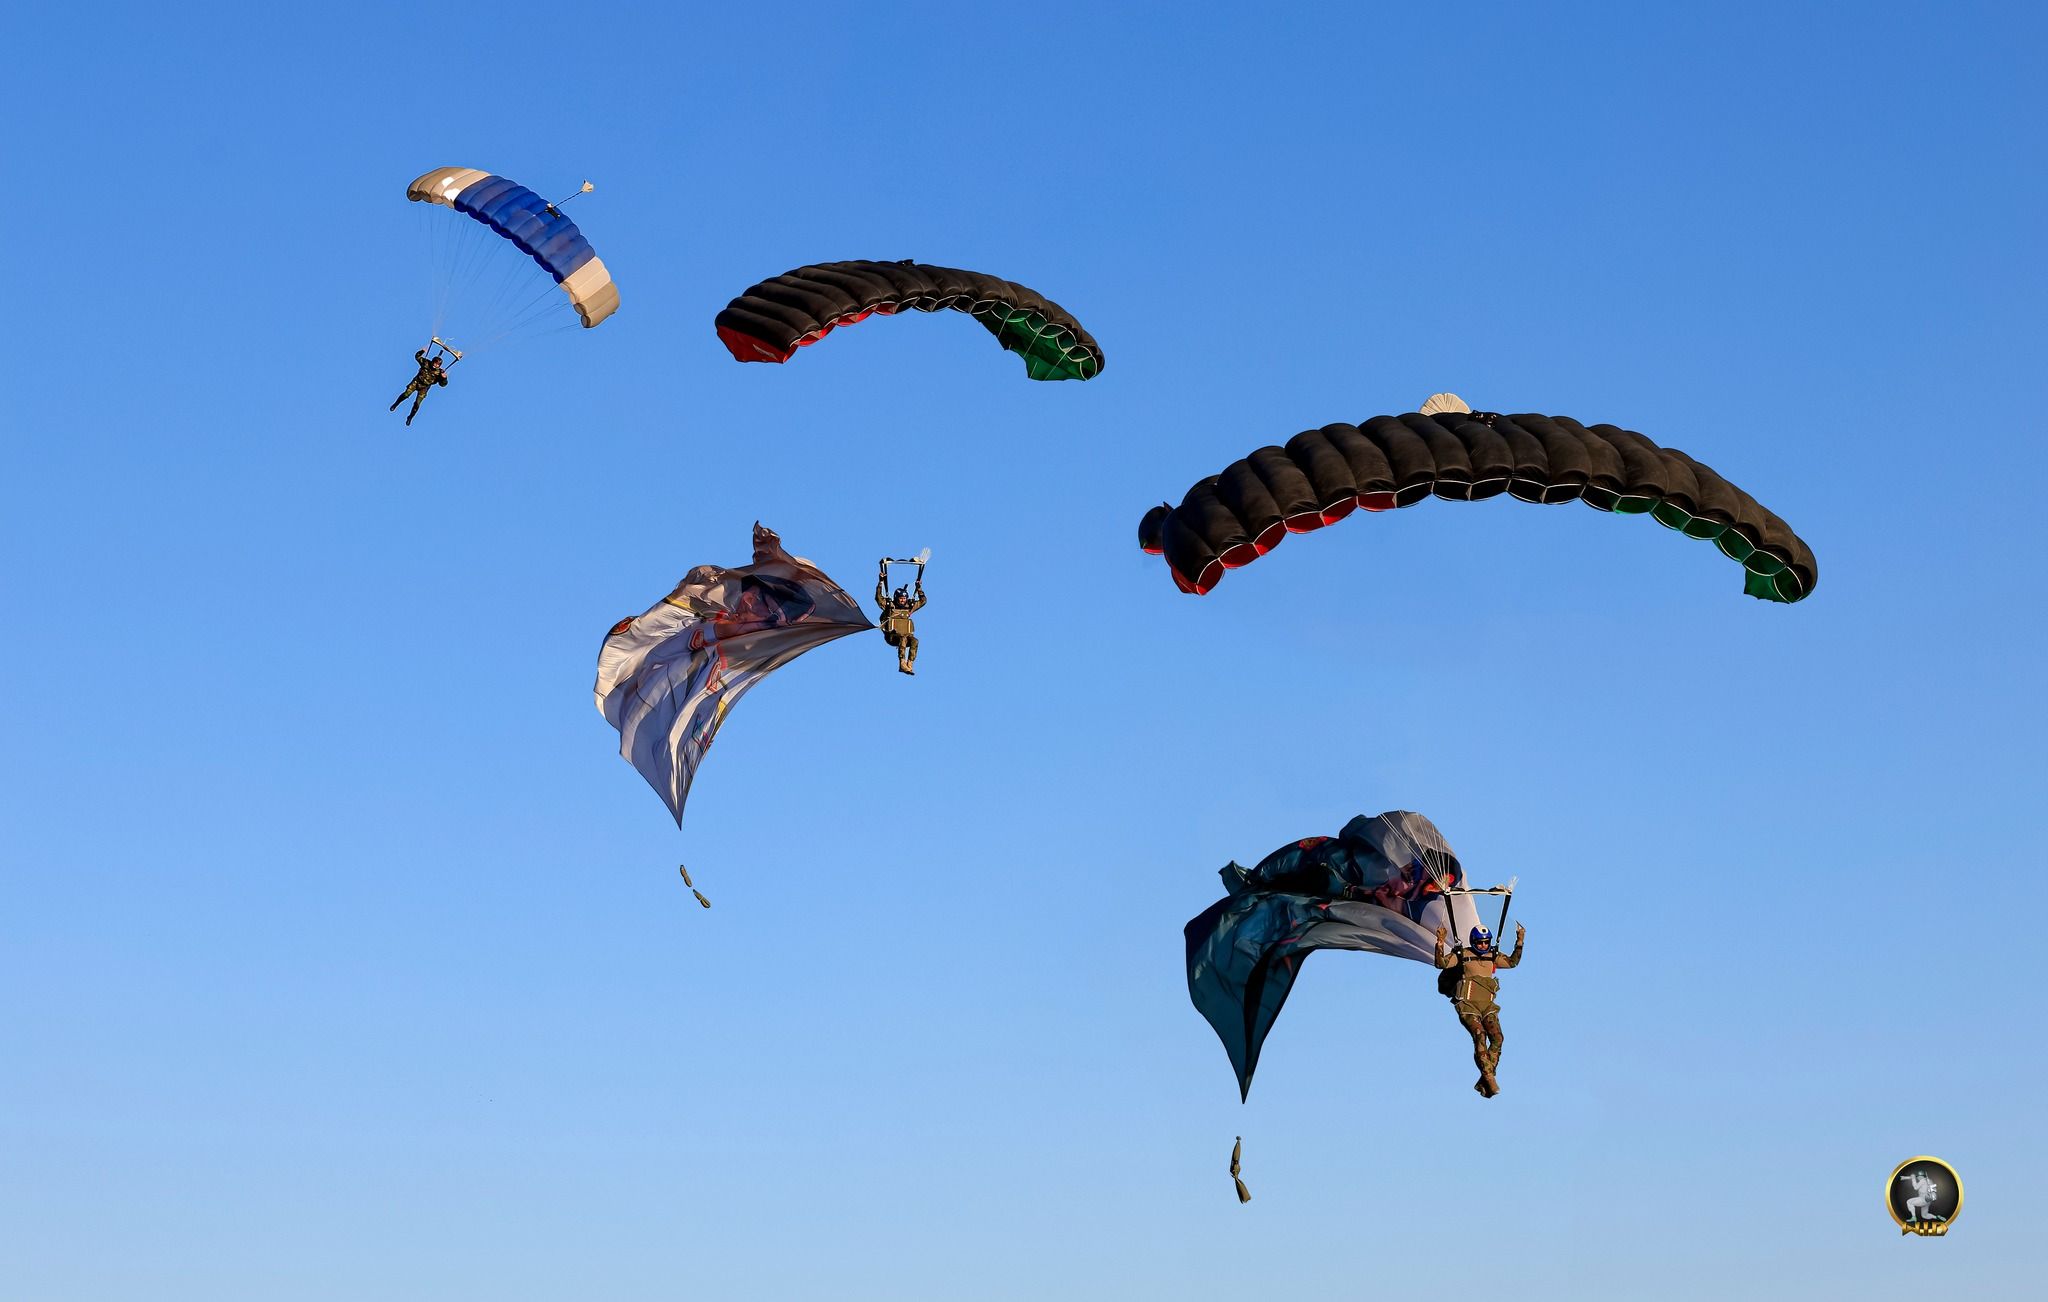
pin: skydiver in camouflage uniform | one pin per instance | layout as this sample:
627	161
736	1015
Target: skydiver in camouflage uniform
432	372
1472	990
897	629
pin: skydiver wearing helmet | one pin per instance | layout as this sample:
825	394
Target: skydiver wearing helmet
897	629
1470	983
432	372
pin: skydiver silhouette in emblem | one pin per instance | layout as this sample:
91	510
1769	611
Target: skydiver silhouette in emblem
1925	1192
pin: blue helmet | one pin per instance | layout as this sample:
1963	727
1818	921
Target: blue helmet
1481	938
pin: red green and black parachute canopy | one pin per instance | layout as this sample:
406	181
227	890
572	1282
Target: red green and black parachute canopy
1449	451
772	320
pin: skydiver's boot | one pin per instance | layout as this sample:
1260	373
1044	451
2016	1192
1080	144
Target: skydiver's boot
1489	1063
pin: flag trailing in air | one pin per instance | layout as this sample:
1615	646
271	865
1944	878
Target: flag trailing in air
667	679
1377	886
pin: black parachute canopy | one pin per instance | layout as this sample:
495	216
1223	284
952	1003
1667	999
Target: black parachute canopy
772	320
1389	462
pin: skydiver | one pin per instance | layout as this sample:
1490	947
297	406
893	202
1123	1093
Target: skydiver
1924	1194
1472	995
432	372
897	629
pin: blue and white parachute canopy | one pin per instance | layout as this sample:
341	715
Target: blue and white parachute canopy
529	221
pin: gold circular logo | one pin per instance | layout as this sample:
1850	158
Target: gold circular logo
1924	1196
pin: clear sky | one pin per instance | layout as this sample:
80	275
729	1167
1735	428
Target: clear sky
344	958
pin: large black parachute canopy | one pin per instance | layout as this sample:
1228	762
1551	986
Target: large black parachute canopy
1449	451
773	319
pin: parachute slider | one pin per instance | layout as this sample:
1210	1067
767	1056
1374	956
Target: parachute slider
1244	1195
446	347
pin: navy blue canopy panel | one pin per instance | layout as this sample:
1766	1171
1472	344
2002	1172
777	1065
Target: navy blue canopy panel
539	230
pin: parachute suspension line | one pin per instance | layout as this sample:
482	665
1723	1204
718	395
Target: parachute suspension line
492	270
1449	894
518	305
504	277
1443	893
527	332
536	308
464	252
522	322
1430	858
450	249
491	287
432	240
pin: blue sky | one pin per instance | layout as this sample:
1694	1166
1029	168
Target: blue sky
346	959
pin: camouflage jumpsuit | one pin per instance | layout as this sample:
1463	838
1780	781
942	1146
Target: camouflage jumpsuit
1472	991
431	374
897	630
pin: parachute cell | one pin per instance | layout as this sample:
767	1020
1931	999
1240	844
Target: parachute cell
773	319
1389	462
